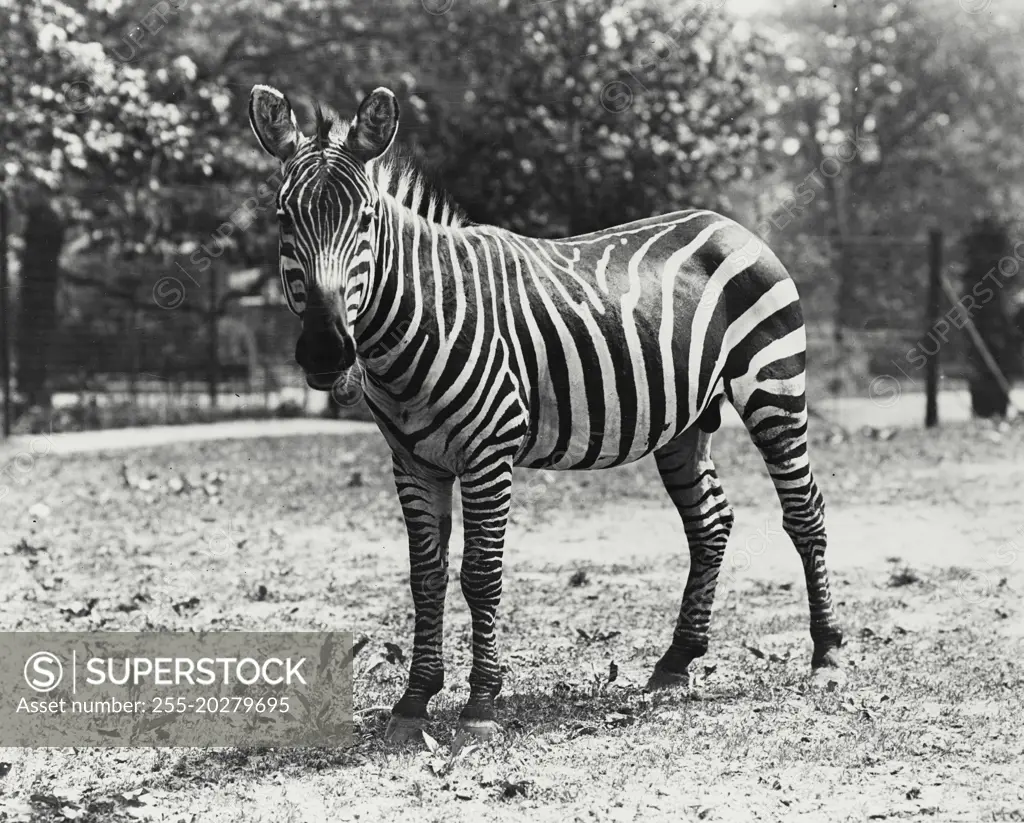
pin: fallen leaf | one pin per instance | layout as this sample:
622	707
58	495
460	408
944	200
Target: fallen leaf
395	653
374	663
432	744
359	645
519	788
580	731
23	547
79	609
578	578
185	605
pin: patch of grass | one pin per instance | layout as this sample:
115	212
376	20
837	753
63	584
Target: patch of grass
927	723
903	577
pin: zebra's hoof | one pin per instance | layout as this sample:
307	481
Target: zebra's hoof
826	659
664	679
826	672
403	729
470	731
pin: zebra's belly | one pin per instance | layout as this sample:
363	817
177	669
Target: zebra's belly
578	443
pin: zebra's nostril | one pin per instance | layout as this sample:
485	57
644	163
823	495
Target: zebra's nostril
326	352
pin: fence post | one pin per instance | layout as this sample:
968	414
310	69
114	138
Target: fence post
133	363
931	413
213	376
5	320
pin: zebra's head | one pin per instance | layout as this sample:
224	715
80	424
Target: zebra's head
328	213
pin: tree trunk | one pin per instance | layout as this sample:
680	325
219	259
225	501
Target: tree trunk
37	320
988	244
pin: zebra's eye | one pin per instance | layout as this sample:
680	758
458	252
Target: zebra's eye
365	218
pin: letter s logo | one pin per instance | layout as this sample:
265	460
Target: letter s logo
43	672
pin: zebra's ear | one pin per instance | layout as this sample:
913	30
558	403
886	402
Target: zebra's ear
374	126
273	122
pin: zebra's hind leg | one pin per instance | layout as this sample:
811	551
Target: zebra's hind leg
427	509
691	480
775	414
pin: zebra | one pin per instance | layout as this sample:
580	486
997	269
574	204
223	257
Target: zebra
477	350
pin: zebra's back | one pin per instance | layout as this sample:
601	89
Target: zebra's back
620	339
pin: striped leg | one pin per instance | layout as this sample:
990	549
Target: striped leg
486	495
427	508
775	414
689	476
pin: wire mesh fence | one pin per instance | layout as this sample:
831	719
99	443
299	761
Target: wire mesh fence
117	362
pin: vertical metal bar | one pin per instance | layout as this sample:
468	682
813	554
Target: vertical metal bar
5	319
214	353
931	414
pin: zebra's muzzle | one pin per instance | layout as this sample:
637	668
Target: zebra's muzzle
325	352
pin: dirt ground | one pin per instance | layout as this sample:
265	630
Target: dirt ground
305	533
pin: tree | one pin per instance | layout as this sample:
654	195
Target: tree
562	118
908	112
127	151
79	122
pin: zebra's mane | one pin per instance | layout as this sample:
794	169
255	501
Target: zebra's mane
393	174
399	177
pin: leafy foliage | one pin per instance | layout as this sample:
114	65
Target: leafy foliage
128	122
562	118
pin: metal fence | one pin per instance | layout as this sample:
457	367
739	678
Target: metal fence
129	363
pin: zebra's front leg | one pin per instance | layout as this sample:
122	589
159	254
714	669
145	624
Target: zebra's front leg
486	496
427	508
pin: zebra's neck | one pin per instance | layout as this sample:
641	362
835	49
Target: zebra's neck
400	327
